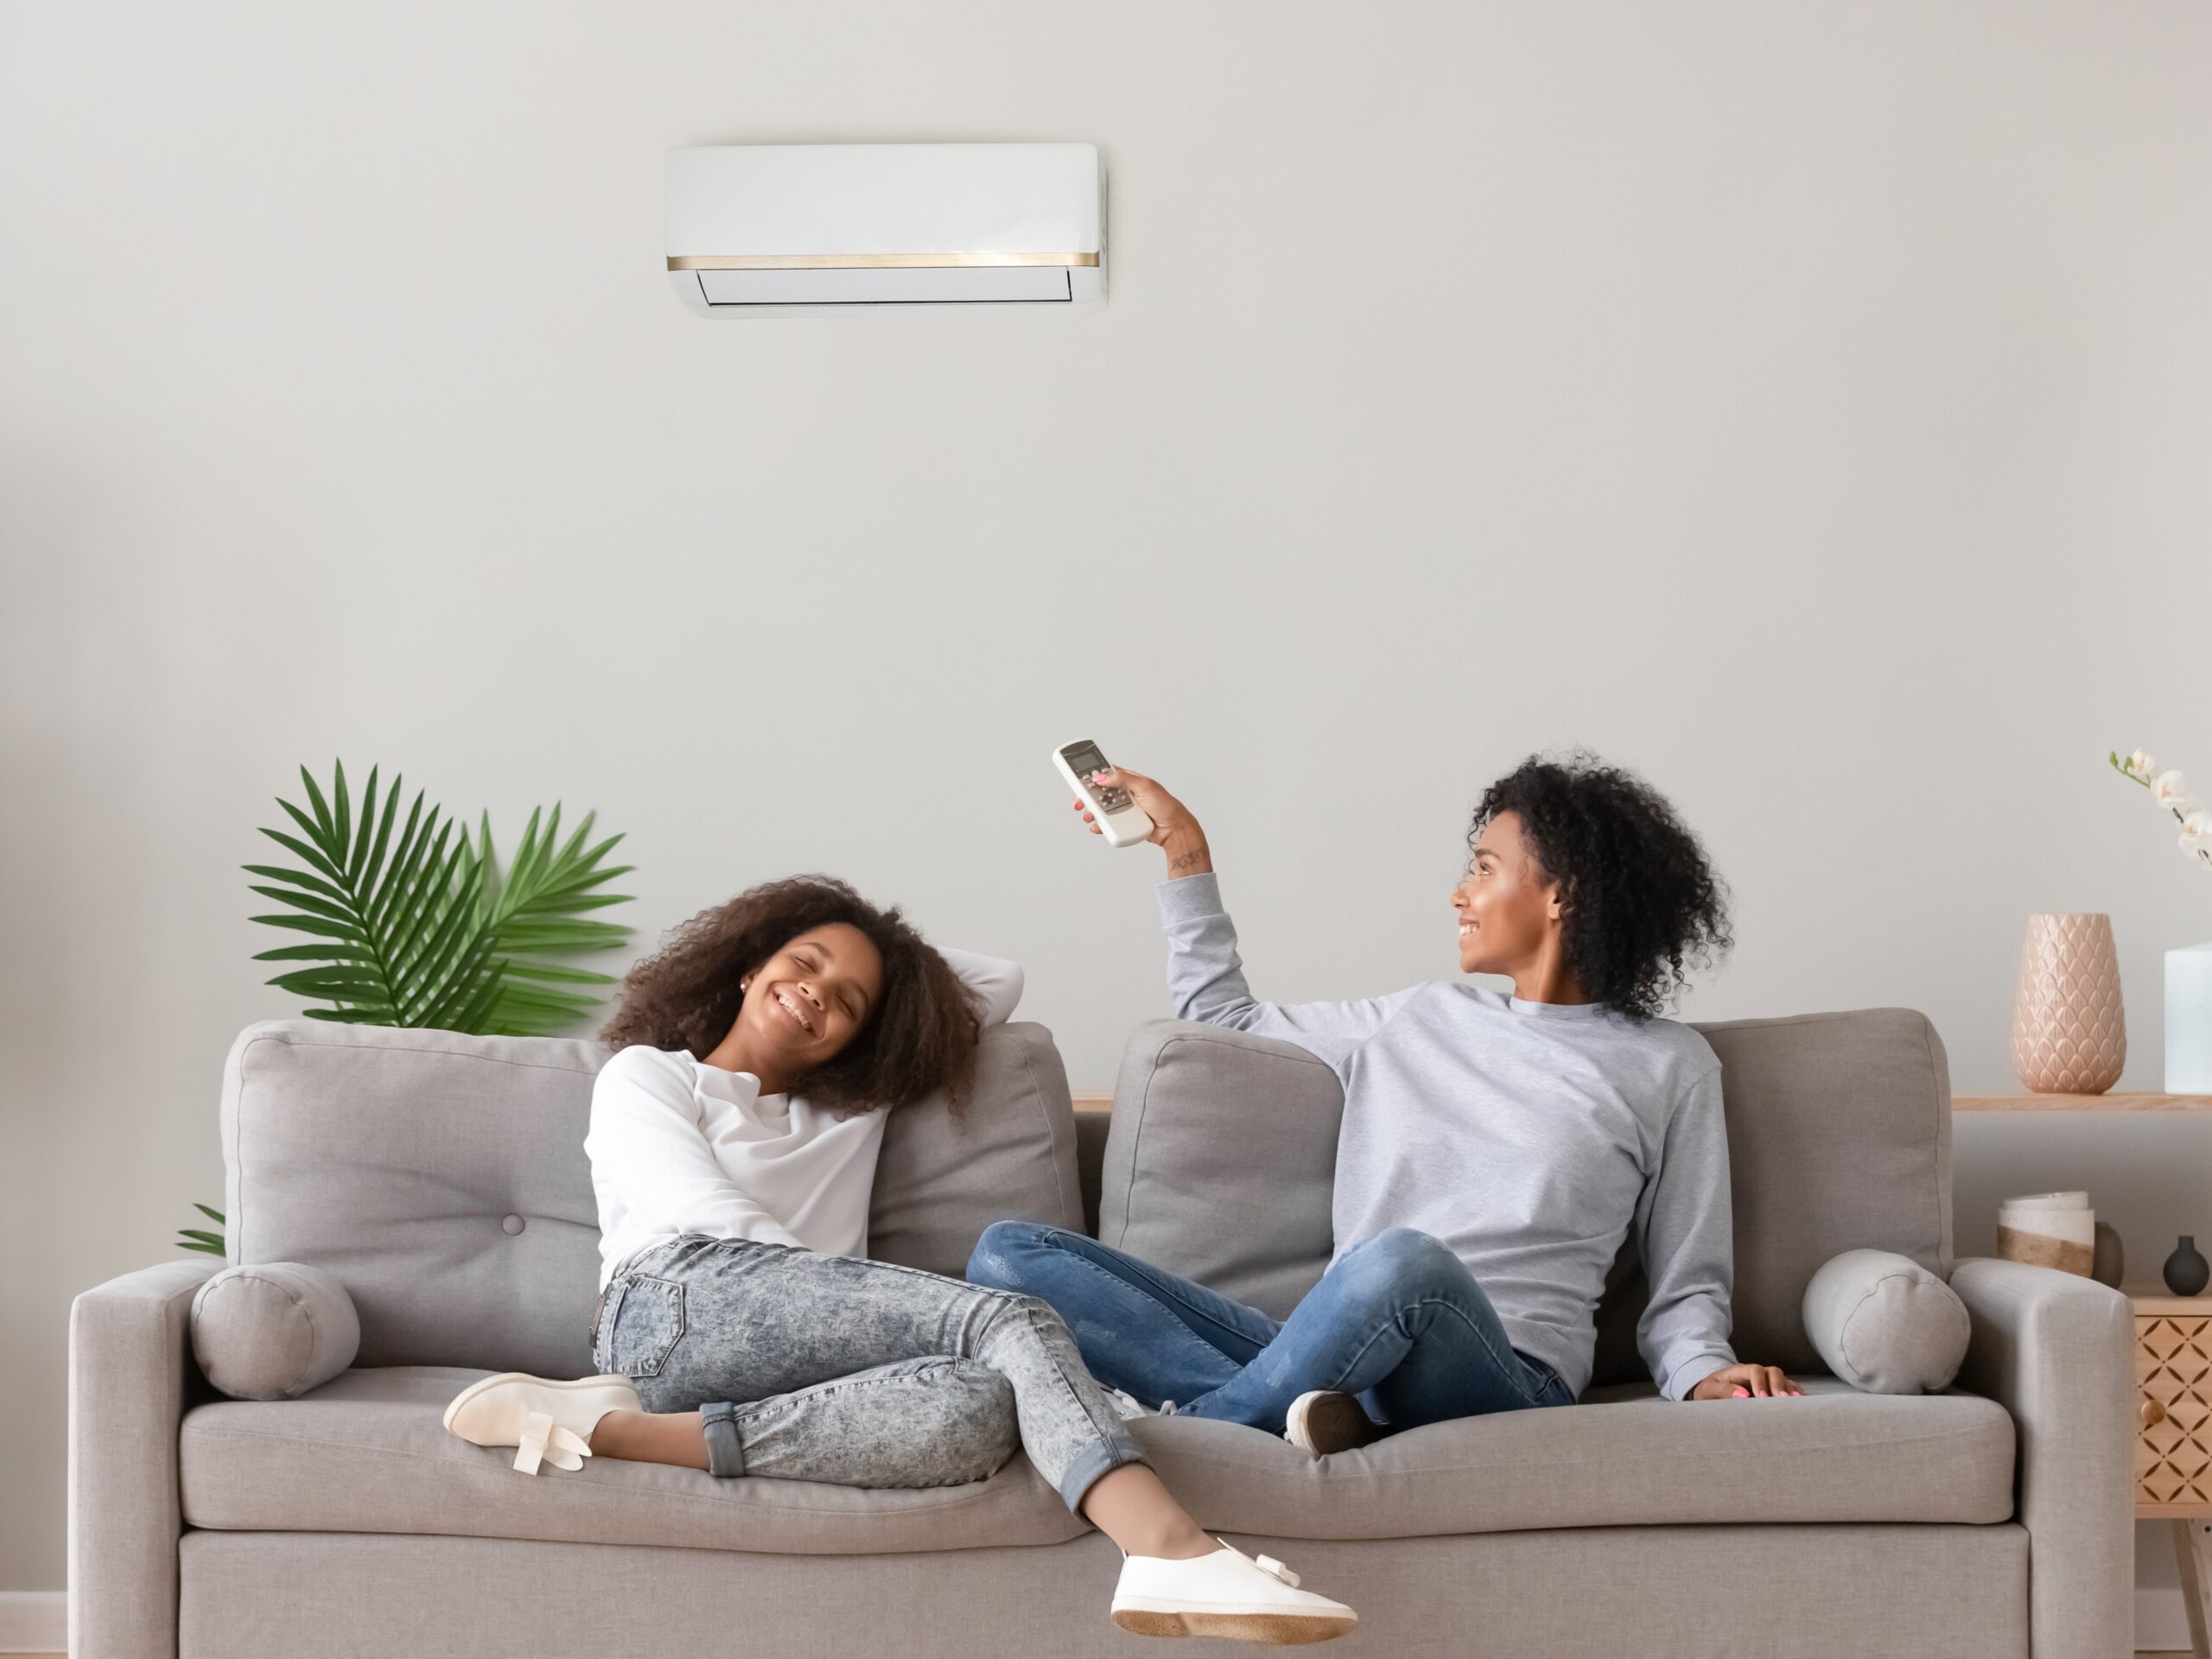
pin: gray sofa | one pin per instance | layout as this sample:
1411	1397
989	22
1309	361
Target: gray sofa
441	1179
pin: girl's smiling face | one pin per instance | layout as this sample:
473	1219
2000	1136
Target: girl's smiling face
1508	906
812	998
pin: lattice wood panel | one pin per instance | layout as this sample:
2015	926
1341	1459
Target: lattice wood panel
2173	1451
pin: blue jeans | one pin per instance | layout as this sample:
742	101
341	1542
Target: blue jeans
1397	1321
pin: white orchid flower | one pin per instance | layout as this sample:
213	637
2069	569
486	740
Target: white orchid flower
2139	765
2168	789
2196	832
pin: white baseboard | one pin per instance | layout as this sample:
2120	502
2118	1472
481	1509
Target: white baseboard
2161	1622
33	1621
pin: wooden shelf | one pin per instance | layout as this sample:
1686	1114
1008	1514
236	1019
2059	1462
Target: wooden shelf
2104	1103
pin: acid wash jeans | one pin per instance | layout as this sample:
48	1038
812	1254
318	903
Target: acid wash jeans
810	1367
1397	1321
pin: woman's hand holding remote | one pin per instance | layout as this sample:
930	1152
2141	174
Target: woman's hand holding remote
1173	830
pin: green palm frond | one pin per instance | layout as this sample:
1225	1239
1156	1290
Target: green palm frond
394	925
195	1238
536	913
410	922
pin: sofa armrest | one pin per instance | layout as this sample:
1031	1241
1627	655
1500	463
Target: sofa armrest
130	1365
2058	1351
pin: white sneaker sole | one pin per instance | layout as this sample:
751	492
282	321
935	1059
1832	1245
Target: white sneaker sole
1275	1625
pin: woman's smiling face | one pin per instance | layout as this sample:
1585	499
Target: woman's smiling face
1506	902
809	1000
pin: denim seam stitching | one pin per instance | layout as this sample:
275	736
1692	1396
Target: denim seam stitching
683	1320
1009	1301
790	1398
1184	1330
1480	1336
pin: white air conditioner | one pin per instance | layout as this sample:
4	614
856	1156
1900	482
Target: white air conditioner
774	229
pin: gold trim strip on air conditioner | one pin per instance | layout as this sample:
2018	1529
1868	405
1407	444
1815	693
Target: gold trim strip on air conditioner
865	261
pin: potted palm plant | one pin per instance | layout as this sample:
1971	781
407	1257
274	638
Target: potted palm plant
414	923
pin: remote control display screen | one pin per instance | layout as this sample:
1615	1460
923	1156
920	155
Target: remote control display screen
1084	760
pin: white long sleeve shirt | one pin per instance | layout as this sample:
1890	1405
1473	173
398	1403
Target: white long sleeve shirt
677	1145
1528	1137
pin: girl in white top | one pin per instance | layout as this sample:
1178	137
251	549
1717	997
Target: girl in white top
733	1142
679	1145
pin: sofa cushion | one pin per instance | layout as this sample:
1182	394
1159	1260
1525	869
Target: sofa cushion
1221	1155
1621	1456
366	1453
1886	1325
442	1180
1221	1152
273	1330
941	1181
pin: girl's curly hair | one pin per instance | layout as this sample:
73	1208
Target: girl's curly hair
919	1036
1637	897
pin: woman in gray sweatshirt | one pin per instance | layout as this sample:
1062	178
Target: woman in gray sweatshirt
1494	1151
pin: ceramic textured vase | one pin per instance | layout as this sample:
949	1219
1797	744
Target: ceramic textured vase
2068	1036
2186	1271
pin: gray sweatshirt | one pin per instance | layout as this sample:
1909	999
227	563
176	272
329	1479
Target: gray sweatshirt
1526	1136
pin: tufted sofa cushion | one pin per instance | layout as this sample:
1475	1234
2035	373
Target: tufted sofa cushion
441	1179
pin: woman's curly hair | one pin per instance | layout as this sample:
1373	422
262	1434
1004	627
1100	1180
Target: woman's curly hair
1638	899
919	1036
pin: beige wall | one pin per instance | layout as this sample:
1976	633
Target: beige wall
1806	406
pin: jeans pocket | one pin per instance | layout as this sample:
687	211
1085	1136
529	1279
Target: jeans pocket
643	1323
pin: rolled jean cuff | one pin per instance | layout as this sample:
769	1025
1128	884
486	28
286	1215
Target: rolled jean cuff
725	1451
1099	1457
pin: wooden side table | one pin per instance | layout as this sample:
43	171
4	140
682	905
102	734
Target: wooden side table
2173	1444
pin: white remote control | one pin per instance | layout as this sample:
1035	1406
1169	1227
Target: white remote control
1120	819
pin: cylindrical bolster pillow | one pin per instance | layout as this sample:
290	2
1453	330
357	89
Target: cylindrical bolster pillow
273	1330
1885	1324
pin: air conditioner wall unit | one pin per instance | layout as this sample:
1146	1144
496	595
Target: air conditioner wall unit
759	230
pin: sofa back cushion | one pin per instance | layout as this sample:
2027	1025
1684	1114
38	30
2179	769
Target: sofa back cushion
1220	1158
441	1179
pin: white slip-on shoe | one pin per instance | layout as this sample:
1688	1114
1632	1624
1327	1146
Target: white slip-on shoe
1226	1594
546	1421
1127	1404
1130	1407
1324	1420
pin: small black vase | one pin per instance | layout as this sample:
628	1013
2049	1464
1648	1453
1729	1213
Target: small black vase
2186	1271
